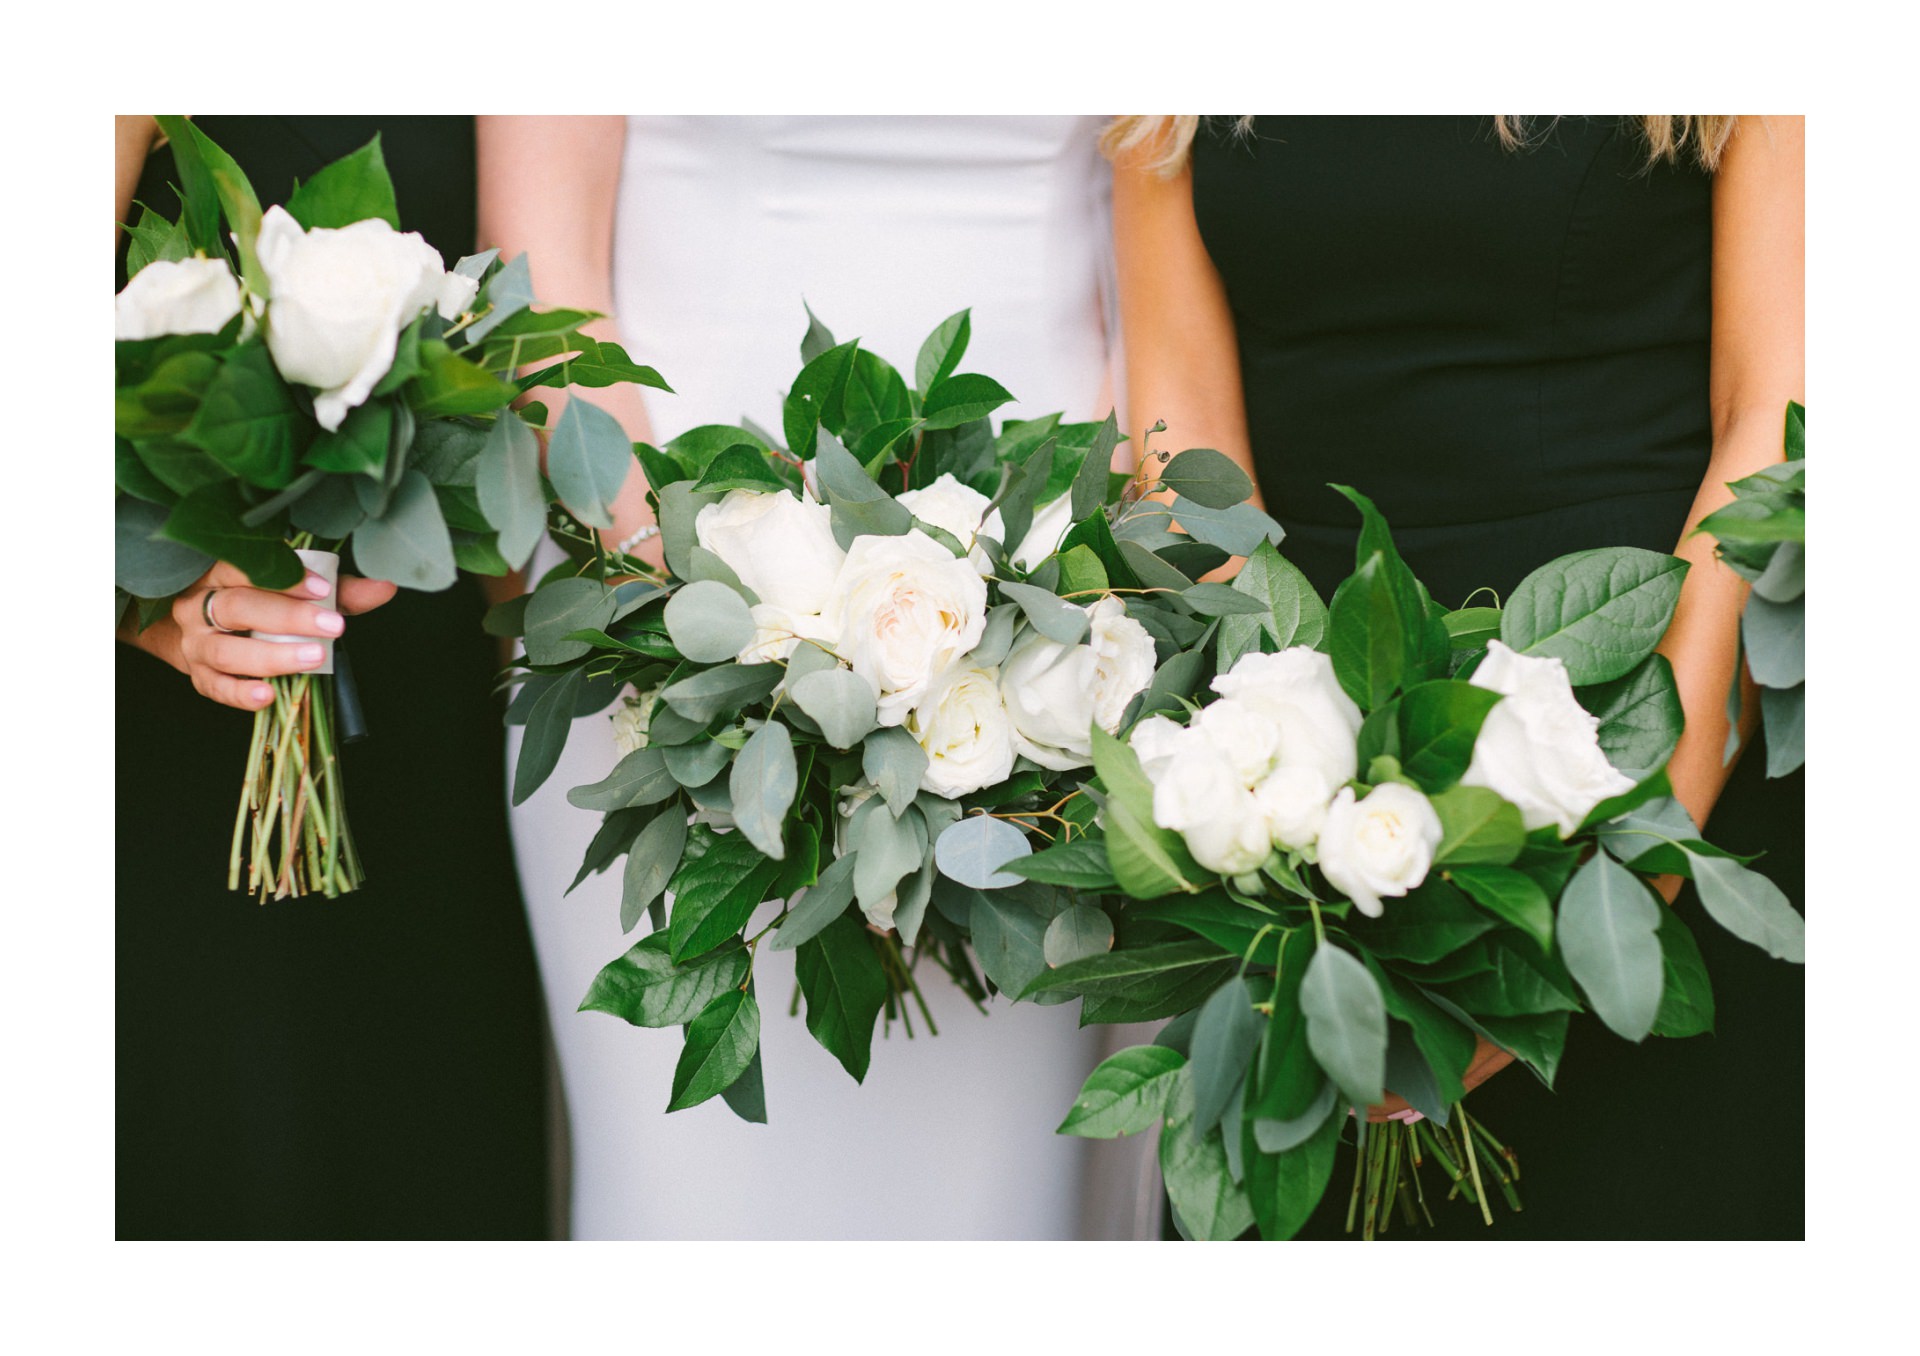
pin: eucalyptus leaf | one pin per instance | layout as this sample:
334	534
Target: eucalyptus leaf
559	609
823	901
548	724
1224	1037
1076	932
893	761
764	781
639	778
1346	1024
508	483
1750	906
1052	616
651	862
1606	931
974	851
724	689
840	701
587	461
1207	478
709	622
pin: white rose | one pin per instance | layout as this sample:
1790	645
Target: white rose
780	545
963	726
1198	794
176	296
1539	747
1154	742
1049	528
1318	723
1380	847
958	509
904	610
1056	693
1247	736
778	633
1294	800
631	718
338	301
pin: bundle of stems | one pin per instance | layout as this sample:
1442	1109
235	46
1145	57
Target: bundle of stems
1386	1170
290	831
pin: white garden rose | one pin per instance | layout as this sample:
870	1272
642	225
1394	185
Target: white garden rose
1294	800
1056	693
631	719
1318	723
963	726
1539	748
904	610
1198	795
1247	736
958	509
1380	847
1049	528
176	296
780	545
339	299
1154	742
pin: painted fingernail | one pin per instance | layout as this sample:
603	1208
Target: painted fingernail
310	654
262	694
329	623
317	586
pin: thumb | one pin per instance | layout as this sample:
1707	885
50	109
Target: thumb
363	595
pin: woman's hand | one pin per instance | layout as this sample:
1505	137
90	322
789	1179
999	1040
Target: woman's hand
199	637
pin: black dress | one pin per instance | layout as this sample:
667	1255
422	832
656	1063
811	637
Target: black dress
1508	352
372	1066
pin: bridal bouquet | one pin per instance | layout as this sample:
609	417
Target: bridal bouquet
876	663
1387	828
1762	537
340	390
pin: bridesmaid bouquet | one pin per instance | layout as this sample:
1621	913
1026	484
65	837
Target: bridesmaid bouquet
1387	828
875	664
1762	537
310	381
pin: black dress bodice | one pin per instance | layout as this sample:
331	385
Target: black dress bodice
1507	350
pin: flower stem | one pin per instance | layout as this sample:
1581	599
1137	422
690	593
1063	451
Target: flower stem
1473	1162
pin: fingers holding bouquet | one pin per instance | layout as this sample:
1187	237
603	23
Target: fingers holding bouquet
223	619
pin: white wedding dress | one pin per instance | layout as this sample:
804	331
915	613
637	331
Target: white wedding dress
885	226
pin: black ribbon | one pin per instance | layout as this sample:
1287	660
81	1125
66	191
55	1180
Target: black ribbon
350	720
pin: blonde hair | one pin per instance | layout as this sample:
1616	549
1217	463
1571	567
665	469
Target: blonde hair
1164	141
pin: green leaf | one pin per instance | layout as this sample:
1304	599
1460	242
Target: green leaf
449	384
742	467
960	399
1077	865
728	687
1785	577
1089	487
1052	616
1366	635
639	778
202	165
651	862
1600	612
1443	1042
1076	932
557	610
355	187
646	988
709	622
1221	600
942	351
975	851
587	461
1208	478
1509	895
698	761
1785	714
1207	1203
894	762
818	338
1284	1188
145	564
1346	1024
210	521
721	880
248	420
1439	722
1775	635
1478	827
765	778
1517	981
1131	970
1238	530
840	702
1293	612
746	1096
720	1042
1686	995
199	201
1640	716
1433	920
1148	861
1224	1037
1470	628
546	734
1607	924
508	483
596	364
1009	932
409	543
825	900
359	445
1750	906
168	398
1125	1094
845	988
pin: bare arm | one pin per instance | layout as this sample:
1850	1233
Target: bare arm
547	189
132	140
1758	365
1183	365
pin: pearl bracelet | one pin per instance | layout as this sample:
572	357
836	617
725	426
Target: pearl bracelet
647	533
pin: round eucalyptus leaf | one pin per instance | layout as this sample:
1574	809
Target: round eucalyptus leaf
144	564
709	622
840	700
763	784
1077	932
973	851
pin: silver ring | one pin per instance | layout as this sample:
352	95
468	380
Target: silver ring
206	615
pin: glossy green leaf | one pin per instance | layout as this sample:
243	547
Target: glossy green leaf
646	988
1125	1094
1439	722
1148	861
960	399
722	879
942	351
1686	995
353	188
1750	906
1346	1024
845	988
1600	612
720	1043
1478	827
1510	895
1206	1202
210	521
